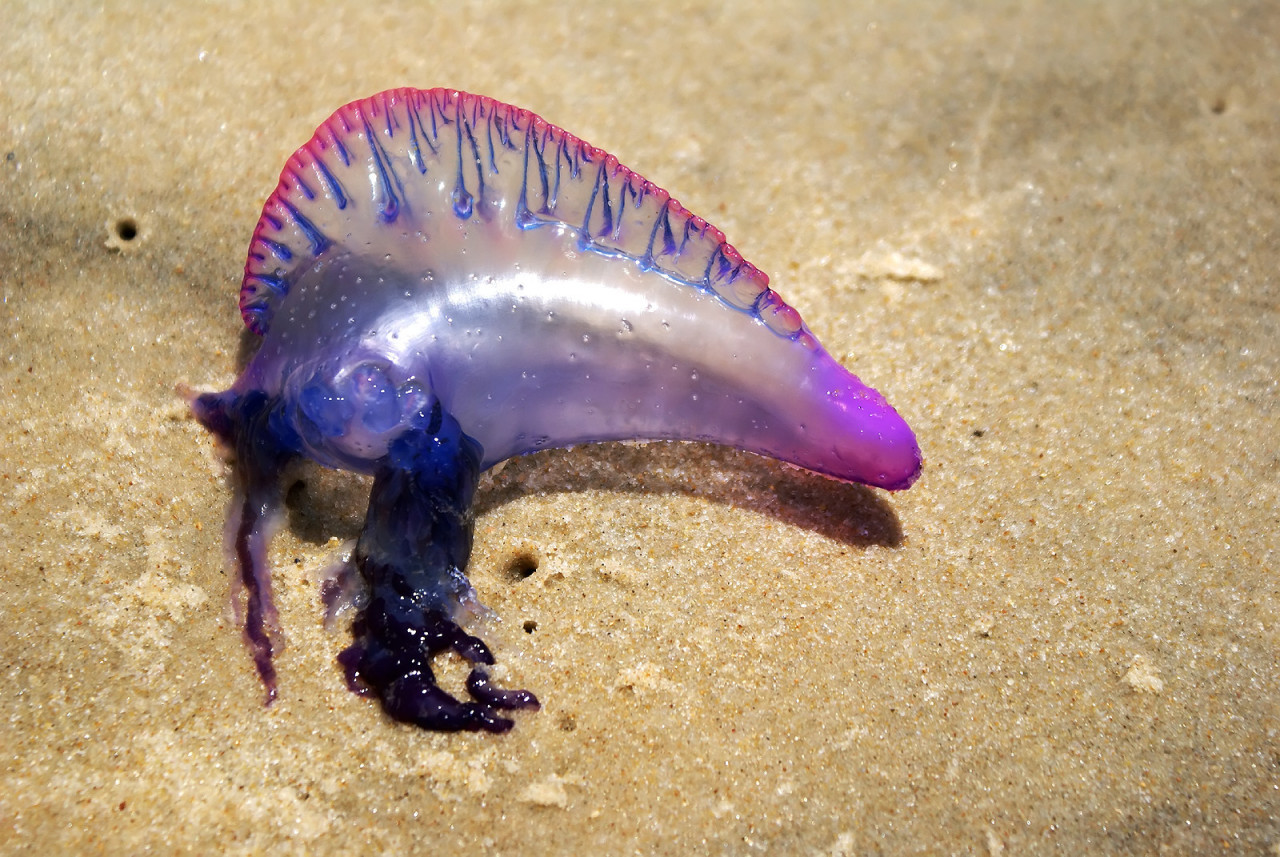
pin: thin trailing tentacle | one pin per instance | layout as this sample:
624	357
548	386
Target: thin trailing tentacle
246	426
261	623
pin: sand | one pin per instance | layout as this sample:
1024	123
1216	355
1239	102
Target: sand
1049	234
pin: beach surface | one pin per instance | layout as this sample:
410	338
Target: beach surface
1048	233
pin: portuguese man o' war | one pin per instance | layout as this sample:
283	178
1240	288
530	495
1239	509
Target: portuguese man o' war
442	281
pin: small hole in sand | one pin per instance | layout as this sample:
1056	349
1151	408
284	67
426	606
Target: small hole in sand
126	229
124	234
530	626
296	494
522	567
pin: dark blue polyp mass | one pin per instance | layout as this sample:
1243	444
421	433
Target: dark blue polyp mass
441	281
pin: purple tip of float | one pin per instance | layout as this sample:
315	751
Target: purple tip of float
900	460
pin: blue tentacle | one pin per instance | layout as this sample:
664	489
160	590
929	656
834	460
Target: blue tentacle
412	555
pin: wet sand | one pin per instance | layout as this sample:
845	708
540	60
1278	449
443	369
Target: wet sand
1050	236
